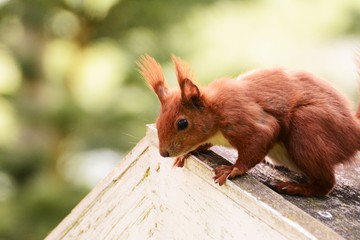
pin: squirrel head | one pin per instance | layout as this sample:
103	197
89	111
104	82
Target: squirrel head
185	121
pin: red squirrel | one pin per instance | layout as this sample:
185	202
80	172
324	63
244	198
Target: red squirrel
294	117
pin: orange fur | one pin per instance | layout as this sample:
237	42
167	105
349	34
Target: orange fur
255	112
182	69
152	73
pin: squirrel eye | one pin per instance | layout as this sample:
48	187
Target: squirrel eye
182	124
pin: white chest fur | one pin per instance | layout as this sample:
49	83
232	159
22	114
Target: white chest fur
278	155
219	139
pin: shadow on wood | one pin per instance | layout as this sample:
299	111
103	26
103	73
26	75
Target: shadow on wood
144	197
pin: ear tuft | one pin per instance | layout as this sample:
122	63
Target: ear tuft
190	93
152	73
182	70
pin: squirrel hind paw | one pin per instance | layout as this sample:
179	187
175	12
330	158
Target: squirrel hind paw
298	189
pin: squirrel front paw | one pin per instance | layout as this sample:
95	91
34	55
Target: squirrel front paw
180	161
224	172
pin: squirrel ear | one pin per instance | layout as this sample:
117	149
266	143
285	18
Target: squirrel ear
153	75
190	93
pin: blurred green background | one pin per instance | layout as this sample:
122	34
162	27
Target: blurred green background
71	100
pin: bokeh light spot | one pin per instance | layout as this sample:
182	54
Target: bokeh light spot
10	75
100	69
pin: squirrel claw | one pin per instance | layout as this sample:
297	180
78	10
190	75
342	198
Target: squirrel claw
180	161
281	187
291	188
224	172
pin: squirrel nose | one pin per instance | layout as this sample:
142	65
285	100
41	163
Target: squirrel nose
164	153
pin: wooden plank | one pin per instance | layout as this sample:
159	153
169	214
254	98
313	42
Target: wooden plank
91	214
340	211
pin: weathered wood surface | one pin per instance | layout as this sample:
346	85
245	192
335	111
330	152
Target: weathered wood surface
340	210
144	197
